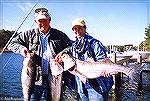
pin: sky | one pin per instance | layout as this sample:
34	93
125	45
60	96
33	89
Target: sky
113	22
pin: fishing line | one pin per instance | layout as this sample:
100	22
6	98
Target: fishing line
18	27
15	34
12	54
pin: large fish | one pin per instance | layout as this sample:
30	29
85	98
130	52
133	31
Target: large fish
28	77
55	80
92	69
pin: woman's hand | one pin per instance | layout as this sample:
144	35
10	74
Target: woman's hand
105	73
58	58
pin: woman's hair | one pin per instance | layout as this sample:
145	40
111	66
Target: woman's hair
84	27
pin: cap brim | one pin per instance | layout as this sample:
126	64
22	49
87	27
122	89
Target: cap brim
77	25
41	17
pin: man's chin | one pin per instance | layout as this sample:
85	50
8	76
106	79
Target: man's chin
42	30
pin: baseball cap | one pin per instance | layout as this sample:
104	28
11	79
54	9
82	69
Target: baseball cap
78	21
41	13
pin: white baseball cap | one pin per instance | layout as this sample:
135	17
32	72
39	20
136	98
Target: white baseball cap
78	21
41	13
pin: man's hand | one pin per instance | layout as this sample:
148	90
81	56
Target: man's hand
58	58
26	53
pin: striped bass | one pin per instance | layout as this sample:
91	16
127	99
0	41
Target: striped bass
92	69
28	77
55	80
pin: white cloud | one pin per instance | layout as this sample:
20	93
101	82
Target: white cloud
24	6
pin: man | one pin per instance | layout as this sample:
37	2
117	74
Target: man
84	47
44	43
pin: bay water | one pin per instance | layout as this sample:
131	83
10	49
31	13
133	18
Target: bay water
10	81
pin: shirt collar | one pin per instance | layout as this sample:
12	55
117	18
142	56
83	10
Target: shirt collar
78	39
47	34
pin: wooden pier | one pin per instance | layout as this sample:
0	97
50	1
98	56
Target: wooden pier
118	77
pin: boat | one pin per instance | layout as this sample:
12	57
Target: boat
130	54
136	53
120	57
143	54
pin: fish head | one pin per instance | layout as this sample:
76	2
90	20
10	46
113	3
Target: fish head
56	68
68	60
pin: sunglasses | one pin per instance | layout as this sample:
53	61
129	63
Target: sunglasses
41	10
78	27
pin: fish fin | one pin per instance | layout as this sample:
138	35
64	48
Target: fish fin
106	61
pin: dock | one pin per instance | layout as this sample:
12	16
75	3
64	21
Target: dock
138	65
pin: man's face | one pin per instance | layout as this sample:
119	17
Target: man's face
79	30
43	25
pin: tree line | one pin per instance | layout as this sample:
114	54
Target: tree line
5	35
146	43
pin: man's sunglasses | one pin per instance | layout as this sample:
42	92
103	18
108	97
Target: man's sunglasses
41	10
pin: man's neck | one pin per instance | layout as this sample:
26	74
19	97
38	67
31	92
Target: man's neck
46	32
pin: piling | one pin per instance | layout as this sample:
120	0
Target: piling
117	76
139	59
114	58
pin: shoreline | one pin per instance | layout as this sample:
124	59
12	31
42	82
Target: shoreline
6	50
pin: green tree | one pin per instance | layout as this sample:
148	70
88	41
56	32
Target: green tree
142	46
121	48
147	38
4	37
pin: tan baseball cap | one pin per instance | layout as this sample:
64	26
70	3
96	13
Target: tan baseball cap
78	21
41	13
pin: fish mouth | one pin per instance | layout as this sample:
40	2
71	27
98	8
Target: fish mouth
69	62
72	68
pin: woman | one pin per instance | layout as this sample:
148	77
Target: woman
83	47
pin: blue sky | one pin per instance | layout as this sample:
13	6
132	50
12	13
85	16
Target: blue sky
116	22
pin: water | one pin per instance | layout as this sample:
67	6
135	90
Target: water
10	81
10	75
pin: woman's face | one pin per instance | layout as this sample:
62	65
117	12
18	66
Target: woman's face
79	31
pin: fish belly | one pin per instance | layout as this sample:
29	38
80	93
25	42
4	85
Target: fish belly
28	79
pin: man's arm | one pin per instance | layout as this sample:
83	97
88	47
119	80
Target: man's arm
20	44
